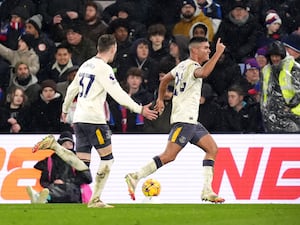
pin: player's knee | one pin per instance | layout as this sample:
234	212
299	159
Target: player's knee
214	150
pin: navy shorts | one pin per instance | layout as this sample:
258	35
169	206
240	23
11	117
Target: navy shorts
182	133
91	135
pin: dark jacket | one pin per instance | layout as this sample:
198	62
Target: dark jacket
20	114
94	31
134	121
209	116
69	192
83	51
162	123
45	49
49	9
239	39
225	73
46	116
8	6
149	67
247	120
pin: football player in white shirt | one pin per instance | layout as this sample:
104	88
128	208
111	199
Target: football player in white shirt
187	90
94	79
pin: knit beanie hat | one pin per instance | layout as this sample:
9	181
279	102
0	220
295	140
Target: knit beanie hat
292	41
48	83
261	51
65	136
189	2
21	12
36	21
28	39
74	26
272	18
251	63
238	4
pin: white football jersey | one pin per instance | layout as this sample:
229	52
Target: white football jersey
92	82
187	92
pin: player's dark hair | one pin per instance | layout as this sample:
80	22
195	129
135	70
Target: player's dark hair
105	41
197	40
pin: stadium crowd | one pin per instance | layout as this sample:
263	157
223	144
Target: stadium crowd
254	88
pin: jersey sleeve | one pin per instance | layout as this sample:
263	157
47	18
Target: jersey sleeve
113	88
72	91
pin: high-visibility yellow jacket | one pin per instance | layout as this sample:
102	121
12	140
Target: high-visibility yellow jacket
285	82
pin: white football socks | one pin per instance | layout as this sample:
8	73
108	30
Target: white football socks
69	157
146	170
208	177
101	177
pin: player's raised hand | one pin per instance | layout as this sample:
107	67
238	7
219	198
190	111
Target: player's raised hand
149	113
220	47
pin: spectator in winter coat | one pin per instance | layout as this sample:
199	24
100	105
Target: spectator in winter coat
46	110
4	79
122	119
14	115
120	29
43	46
189	18
81	47
178	49
198	30
58	14
139	57
292	45
13	28
251	74
22	78
63	61
239	32
24	53
159	44
272	31
136	28
7	6
213	11
94	26
241	115
260	57
280	97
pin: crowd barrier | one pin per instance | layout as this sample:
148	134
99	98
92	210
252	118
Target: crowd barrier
249	168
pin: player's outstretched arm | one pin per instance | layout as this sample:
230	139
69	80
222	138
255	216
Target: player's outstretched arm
206	69
149	113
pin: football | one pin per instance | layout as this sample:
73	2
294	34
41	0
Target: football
151	187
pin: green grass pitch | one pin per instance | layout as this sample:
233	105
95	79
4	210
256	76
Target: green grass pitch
154	214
